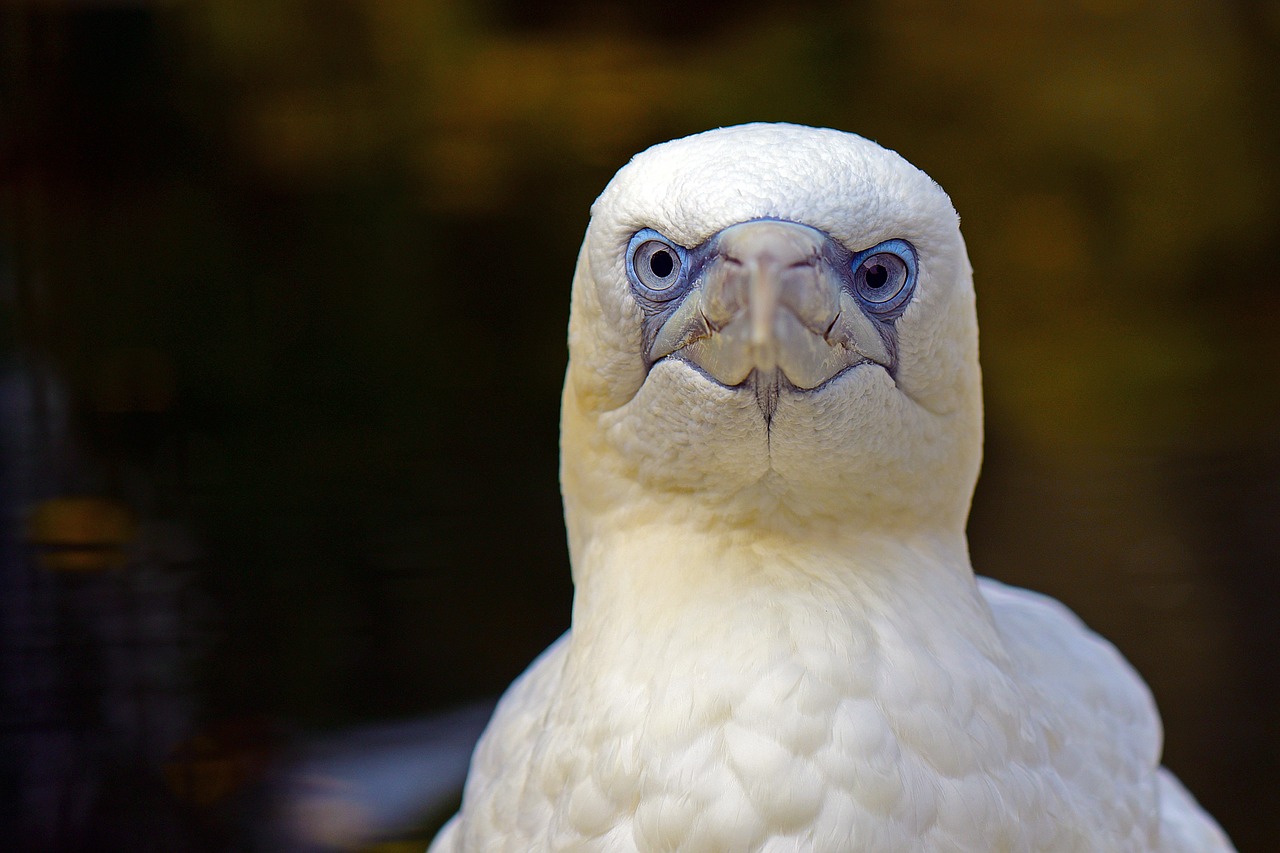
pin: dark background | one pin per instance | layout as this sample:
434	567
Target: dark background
284	288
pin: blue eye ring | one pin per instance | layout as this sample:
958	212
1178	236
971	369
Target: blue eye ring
656	266
884	277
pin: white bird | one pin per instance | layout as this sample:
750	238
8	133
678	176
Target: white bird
771	432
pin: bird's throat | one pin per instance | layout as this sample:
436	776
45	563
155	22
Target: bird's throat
767	386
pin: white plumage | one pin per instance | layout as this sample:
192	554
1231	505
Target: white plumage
778	642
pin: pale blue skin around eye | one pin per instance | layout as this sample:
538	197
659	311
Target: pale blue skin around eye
891	306
658	304
647	294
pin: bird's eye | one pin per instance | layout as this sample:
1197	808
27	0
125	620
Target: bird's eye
661	263
881	277
655	263
884	276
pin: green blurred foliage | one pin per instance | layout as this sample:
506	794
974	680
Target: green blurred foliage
1114	161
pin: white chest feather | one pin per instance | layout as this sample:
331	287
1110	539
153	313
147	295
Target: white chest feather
790	719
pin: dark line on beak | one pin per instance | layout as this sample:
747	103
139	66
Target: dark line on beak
826	335
767	391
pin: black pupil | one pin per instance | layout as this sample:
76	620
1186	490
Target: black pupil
877	275
661	263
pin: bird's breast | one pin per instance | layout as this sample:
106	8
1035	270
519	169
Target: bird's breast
812	727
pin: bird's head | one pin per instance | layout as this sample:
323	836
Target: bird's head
772	322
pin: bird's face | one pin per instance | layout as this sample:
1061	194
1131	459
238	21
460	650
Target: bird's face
772	319
769	305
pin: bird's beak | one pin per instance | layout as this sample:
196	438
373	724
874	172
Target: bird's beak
770	300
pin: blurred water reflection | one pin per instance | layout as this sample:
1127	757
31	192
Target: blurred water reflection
289	284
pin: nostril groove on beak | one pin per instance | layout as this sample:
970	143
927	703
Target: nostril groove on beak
706	321
810	262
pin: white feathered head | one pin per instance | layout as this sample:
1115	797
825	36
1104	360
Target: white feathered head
772	322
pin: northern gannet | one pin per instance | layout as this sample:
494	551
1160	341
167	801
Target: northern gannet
771	431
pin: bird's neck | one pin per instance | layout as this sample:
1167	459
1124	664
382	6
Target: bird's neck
675	576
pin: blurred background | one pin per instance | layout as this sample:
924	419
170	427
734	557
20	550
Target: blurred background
283	290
